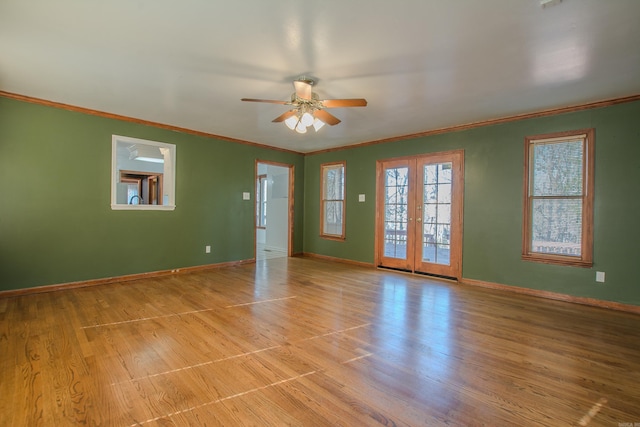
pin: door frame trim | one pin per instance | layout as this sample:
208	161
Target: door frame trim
290	210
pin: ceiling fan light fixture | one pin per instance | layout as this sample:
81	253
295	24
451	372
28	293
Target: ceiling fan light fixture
292	121
317	124
301	128
306	119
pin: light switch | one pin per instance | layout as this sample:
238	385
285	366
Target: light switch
246	196
361	197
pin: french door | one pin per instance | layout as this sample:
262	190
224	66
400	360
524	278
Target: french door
419	213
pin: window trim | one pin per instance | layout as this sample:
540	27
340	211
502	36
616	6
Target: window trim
119	163
323	167
588	185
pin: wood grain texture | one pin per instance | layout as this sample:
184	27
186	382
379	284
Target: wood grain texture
312	342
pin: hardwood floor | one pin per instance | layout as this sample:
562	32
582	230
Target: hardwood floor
308	342
263	252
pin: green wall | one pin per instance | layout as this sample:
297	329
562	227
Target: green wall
56	223
493	202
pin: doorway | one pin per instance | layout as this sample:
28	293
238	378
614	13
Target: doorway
273	210
142	187
419	213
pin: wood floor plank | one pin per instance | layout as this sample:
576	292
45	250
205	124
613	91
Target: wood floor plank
298	341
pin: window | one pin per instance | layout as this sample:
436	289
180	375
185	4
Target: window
142	174
261	201
558	205
332	200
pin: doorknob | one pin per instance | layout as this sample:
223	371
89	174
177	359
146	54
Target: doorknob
418	219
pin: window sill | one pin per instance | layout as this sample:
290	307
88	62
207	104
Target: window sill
558	260
143	207
328	237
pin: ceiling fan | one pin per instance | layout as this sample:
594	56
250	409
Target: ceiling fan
308	109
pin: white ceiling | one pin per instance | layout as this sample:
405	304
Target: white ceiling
421	64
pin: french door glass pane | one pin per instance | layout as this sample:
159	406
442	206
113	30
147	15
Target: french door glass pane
436	207
444	213
444	193
443	255
430	193
396	215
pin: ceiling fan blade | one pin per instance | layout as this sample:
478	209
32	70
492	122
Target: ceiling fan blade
338	103
271	101
285	116
329	119
303	89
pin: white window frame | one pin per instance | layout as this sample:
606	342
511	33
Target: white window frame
168	152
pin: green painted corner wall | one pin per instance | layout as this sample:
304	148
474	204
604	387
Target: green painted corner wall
494	162
56	223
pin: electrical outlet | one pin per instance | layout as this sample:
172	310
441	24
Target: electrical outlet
600	276
207	249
